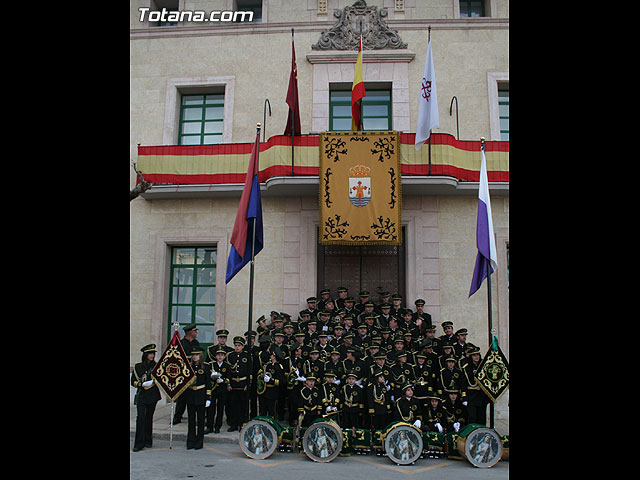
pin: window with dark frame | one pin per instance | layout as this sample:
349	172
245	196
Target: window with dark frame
201	118
376	110
503	110
192	290
472	8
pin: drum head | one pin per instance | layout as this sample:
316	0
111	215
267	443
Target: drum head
322	441
258	439
403	444
483	448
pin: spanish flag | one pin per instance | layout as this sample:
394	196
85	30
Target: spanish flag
357	93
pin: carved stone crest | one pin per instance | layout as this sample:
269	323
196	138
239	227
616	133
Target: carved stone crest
356	20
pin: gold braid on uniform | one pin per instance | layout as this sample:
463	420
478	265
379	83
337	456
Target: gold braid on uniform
378	399
404	419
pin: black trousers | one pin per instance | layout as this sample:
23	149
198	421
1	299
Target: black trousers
181	406
379	421
215	411
238	410
349	419
195	429
268	406
144	425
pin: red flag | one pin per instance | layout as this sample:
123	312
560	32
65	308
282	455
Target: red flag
357	92
173	373
292	95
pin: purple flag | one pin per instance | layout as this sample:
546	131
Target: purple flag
485	239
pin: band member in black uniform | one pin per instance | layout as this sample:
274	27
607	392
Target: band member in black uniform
425	382
188	343
221	345
331	400
343	294
407	408
450	377
352	402
198	397
448	332
295	380
310	402
274	379
254	350
379	402
401	374
313	366
435	417
220	374
421	318
477	400
238	387
456	411
146	397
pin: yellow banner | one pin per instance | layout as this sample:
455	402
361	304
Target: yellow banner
360	191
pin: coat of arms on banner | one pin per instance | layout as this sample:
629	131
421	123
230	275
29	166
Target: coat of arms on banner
493	374
365	166
359	185
173	373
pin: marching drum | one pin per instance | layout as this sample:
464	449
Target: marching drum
403	443
480	446
322	441
260	437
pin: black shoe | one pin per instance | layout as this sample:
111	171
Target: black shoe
216	430
233	428
176	421
207	430
137	449
148	445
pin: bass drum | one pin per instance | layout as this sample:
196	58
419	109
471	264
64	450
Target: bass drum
403	443
259	438
479	445
322	441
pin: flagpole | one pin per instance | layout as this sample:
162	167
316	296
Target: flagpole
489	310
253	243
361	121
293	116
175	325
428	42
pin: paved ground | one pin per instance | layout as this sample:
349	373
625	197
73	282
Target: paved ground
226	460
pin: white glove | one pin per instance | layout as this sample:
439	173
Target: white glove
337	382
301	378
297	372
220	380
359	383
267	377
417	423
207	404
464	403
329	409
148	383
439	427
388	387
325	328
456	426
392	397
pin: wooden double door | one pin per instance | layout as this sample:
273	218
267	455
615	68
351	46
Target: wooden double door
376	268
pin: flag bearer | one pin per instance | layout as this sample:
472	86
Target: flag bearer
197	398
146	397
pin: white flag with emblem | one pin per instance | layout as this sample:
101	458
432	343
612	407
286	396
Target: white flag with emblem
428	102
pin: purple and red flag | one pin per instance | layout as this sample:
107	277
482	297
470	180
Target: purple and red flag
250	208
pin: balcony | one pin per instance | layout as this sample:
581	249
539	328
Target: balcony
202	171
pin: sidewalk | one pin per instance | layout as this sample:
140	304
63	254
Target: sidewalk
162	427
162	417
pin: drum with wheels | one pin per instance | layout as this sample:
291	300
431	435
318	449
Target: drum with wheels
259	438
403	443
322	441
